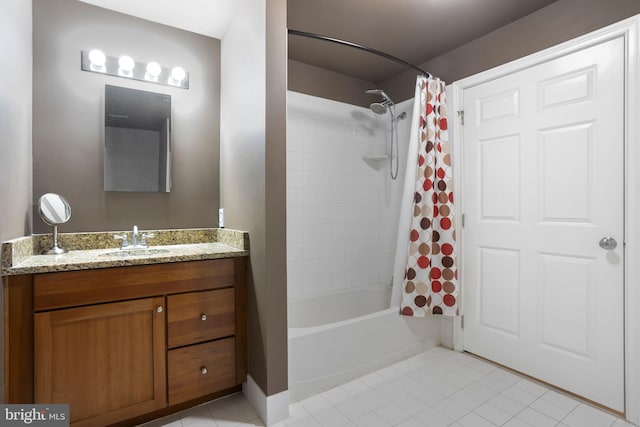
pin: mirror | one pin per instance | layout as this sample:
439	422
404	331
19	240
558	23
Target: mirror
54	210
137	140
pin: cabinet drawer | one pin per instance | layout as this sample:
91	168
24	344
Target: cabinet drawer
200	316
201	369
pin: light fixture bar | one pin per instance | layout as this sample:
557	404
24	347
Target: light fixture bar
124	66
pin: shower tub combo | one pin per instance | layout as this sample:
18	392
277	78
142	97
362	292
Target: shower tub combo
342	235
328	346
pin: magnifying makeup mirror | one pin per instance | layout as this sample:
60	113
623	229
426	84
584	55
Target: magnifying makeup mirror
54	210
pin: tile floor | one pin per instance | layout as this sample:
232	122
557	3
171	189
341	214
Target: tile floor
436	388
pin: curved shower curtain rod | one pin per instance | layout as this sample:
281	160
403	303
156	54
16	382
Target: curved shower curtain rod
357	46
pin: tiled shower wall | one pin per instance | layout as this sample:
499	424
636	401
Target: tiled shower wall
342	208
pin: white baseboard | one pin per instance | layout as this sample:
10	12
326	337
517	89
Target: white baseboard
272	409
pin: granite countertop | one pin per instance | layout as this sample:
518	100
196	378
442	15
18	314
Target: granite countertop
100	250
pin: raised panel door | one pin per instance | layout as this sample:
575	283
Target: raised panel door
107	361
543	183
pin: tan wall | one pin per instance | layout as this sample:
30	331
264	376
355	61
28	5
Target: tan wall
253	173
559	22
15	119
15	129
68	118
316	81
276	191
242	152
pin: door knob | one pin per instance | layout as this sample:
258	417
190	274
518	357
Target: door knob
608	243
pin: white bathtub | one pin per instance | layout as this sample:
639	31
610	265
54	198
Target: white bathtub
337	337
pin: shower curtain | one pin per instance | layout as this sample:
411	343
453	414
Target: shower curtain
429	279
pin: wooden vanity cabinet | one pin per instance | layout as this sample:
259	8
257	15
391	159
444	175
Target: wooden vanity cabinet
128	344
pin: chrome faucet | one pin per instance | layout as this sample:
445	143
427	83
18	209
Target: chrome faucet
134	236
138	240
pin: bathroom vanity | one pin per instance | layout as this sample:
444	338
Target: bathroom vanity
124	339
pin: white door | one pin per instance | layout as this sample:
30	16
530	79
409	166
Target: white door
543	184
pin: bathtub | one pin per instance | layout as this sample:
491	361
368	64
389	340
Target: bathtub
337	337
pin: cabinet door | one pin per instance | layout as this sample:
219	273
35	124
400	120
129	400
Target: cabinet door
106	361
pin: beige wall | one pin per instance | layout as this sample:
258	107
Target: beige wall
253	173
276	191
15	119
15	129
68	109
316	81
559	22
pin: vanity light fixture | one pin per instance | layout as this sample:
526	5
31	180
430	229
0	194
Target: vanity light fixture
96	61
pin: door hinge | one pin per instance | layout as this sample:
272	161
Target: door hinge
462	322
462	220
461	115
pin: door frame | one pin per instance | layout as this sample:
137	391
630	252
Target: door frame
629	30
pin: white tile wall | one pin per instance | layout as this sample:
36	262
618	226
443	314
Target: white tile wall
342	213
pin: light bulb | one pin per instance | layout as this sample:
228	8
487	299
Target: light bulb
154	69
97	59
178	74
127	64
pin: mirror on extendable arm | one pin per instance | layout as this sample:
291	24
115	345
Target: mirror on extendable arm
54	210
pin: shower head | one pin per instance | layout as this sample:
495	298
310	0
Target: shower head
381	93
378	108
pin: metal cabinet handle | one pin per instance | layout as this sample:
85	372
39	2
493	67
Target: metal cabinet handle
608	243
203	317
203	370
159	309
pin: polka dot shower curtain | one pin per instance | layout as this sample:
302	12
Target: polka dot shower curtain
430	276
